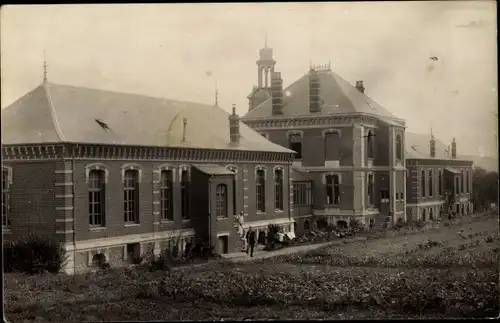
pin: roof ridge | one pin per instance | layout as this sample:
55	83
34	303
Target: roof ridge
53	114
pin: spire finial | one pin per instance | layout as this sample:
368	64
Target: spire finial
44	67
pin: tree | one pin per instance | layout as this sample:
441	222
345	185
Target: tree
484	188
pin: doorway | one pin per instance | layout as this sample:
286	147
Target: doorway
223	244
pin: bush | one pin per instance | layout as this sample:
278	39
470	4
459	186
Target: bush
34	255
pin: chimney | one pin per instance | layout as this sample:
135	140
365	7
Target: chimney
184	124
314	94
360	86
433	147
277	94
454	149
234	127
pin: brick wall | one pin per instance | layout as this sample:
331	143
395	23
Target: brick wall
33	199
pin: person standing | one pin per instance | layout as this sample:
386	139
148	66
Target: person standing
250	240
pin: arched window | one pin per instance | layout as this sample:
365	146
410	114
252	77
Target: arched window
430	183
295	144
221	200
332	189
185	193
422	183
462	190
332	143
131	196
307	226
467	183
440	182
166	192
399	148
369	144
96	191
278	189
260	190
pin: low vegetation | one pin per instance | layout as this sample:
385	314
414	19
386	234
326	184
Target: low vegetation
33	255
447	272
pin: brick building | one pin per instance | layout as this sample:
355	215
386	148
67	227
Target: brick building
438	182
351	158
114	175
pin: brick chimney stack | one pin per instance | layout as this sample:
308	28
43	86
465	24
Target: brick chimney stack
234	127
360	86
277	94
433	147
314	92
454	149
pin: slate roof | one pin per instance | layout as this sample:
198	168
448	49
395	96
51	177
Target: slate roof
213	169
62	113
300	176
422	145
338	95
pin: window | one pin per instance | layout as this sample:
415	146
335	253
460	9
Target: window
260	190
278	189
467	188
332	145
221	200
462	190
302	193
422	183
97	199
397	195
430	183
332	189
423	215
399	149
402	195
166	195
131	196
295	144
370	189
440	182
185	194
5	197
384	194
369	144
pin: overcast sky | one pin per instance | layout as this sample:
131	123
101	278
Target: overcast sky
180	51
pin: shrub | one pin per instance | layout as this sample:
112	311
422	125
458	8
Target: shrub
34	255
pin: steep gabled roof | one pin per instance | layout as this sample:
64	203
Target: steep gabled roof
338	96
62	113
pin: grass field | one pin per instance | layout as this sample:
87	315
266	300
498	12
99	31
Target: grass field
439	273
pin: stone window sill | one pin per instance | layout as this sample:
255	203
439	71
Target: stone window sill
131	225
279	211
166	221
261	212
97	228
222	218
